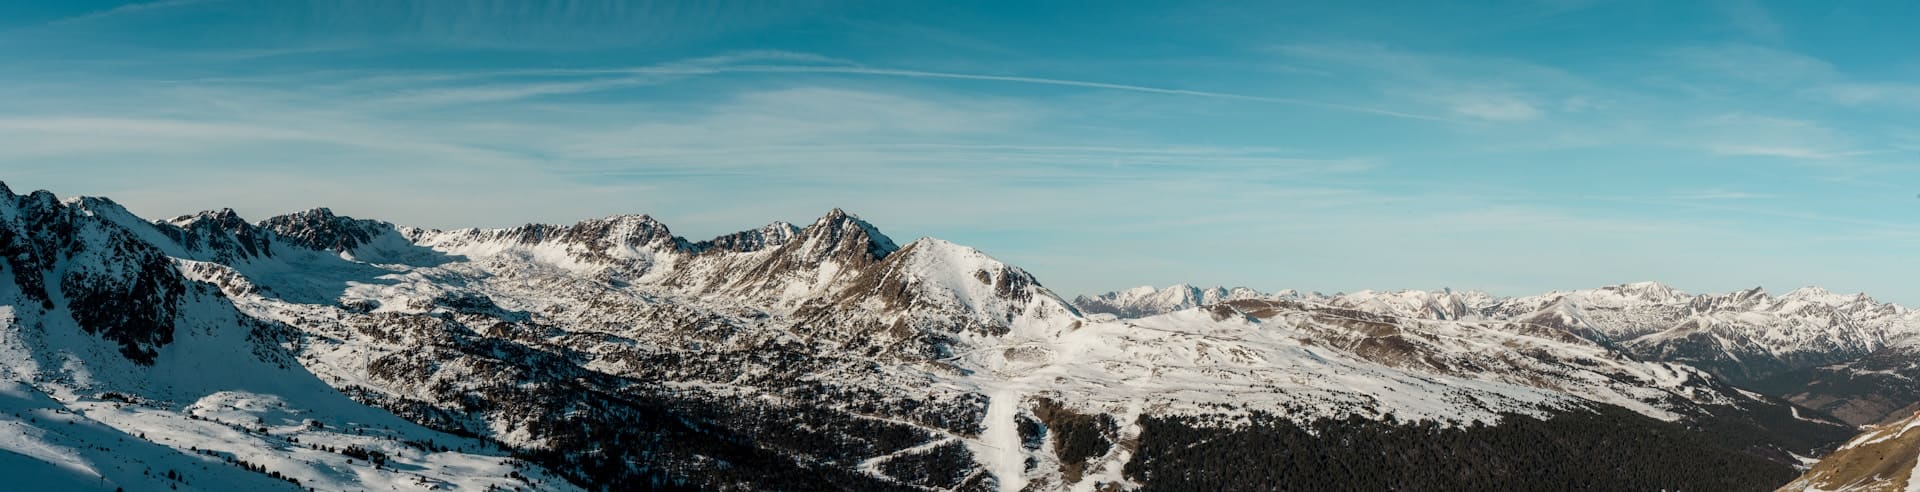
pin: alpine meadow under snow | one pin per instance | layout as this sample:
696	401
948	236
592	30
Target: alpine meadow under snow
311	350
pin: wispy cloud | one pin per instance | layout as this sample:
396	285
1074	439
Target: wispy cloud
1904	95
1475	88
28	138
1085	84
131	9
779	142
502	92
1493	107
1765	136
1753	19
1739	70
731	64
1752	64
1718	194
1763	149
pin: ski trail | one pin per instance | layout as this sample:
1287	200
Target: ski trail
1002	440
871	466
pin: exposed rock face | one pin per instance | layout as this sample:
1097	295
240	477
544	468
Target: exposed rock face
837	243
598	236
71	258
843	237
772	236
220	236
322	230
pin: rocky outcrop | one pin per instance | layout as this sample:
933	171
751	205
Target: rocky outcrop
322	230
219	236
71	259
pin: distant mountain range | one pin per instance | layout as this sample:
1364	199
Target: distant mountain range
1844	354
315	350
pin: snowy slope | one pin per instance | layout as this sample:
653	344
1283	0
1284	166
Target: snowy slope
44	445
187	373
1745	336
1884	458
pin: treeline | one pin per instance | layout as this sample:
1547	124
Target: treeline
1077	437
1611	449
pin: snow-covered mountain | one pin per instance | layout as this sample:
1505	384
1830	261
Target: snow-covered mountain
1146	300
1780	343
348	354
123	370
1744	336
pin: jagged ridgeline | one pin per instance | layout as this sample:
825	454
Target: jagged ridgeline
341	353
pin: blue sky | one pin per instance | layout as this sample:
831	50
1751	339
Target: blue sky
1513	147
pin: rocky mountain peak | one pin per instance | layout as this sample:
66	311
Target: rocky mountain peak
1646	291
1445	304
320	213
1809	291
223	219
222	235
938	286
112	282
625	230
98	204
321	229
771	236
223	215
39	200
844	236
836	214
1147	300
1824	297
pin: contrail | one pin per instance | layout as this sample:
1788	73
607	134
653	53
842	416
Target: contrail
699	69
131	8
1064	82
